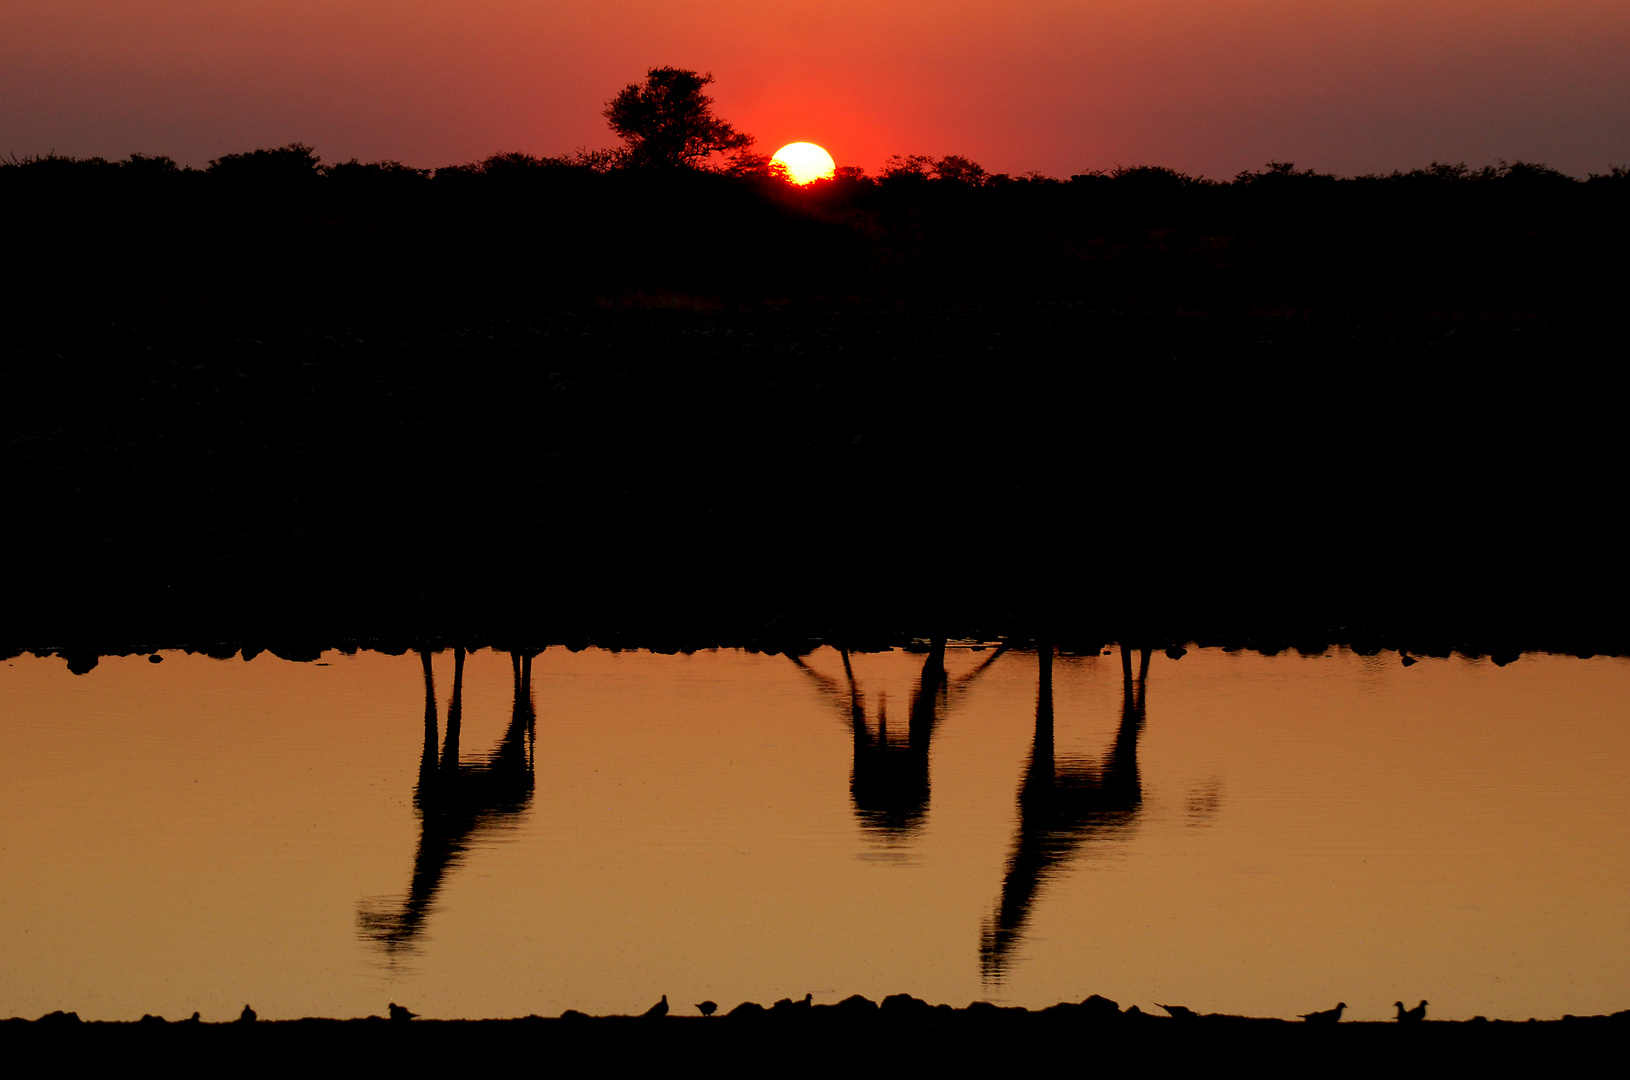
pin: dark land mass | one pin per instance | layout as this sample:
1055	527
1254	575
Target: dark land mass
528	403
979	1040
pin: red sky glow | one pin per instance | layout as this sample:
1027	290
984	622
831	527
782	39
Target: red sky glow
1059	86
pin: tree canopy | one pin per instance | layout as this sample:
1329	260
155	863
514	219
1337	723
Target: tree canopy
667	121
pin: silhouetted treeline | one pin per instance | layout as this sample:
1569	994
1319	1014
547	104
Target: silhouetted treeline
279	398
277	227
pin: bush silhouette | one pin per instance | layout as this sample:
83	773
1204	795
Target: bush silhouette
291	164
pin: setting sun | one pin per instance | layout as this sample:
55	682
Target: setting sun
805	162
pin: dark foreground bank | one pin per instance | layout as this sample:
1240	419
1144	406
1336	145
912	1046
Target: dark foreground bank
535	403
772	477
854	1037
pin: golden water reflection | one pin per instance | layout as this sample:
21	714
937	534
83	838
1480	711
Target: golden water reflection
500	835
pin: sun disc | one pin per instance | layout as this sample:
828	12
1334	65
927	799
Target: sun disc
805	162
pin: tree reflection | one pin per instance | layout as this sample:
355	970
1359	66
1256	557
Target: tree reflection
457	801
889	783
1064	801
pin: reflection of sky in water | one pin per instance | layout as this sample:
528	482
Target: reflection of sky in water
200	833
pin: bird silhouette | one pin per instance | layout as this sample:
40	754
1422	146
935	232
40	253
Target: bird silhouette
809	1001
1410	1016
247	1016
193	1019
400	1014
1328	1016
1179	1012
660	1008
707	1008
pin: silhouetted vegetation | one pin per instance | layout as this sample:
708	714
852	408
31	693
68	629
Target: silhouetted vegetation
277	227
258	397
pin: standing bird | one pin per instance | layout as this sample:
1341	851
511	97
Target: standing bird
707	1008
401	1015
1410	1016
1328	1016
247	1016
1180	1012
660	1008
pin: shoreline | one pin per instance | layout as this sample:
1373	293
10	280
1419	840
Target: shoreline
856	1035
82	660
854	1009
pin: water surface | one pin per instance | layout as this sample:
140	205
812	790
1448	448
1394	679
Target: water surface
1226	830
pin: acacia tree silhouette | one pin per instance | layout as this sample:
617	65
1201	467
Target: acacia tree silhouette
668	122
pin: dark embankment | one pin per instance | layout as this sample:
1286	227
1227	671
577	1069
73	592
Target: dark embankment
532	403
984	1041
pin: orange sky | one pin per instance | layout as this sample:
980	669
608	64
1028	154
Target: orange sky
1209	86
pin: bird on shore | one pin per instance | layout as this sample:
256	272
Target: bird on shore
1328	1016
1179	1012
807	1003
247	1016
398	1013
1410	1016
195	1018
660	1008
707	1008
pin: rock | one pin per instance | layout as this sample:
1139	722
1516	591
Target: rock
903	1004
856	1005
1096	1006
